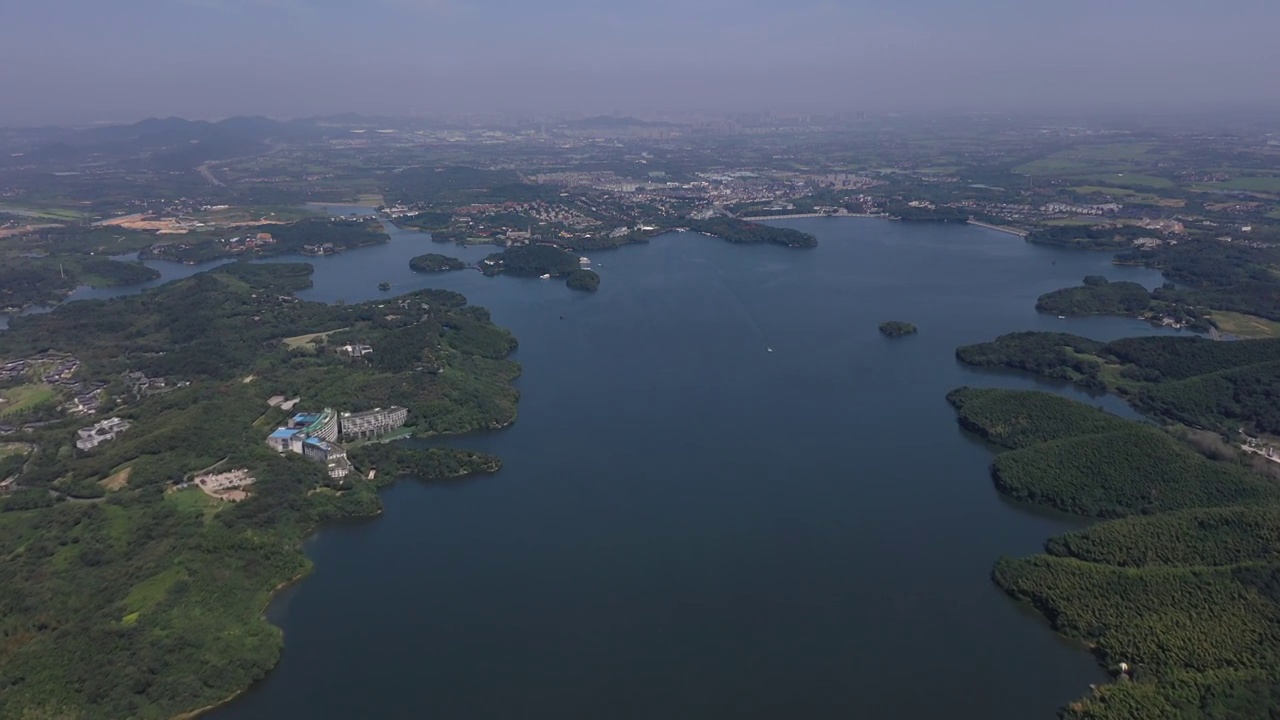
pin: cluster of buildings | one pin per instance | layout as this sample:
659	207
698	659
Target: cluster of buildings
315	435
86	401
58	371
248	243
141	386
321	249
1057	208
100	432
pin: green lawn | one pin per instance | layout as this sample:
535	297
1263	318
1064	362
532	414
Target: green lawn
7	449
194	500
148	593
1126	179
294	343
1245	326
25	396
1248	184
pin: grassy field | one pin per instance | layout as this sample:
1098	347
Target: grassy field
148	593
49	213
1130	196
8	449
118	480
300	340
1245	326
1249	184
25	396
1098	189
195	500
1071	221
1126	179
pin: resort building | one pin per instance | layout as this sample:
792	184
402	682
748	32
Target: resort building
372	423
104	431
323	425
312	435
331	455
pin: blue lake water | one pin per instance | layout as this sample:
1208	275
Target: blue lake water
726	496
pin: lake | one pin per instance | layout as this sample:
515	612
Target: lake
726	496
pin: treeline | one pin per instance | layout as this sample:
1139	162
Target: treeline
288	238
940	214
1098	237
740	231
1060	356
1216	385
530	261
45	281
1183	606
1137	470
395	460
1097	296
1217	537
1020	419
1217	275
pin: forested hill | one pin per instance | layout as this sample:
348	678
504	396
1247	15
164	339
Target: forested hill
1198	382
1180	599
94	593
741	231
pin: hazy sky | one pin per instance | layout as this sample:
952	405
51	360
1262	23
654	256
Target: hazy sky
84	60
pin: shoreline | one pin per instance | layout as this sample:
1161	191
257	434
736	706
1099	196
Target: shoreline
285	585
271	597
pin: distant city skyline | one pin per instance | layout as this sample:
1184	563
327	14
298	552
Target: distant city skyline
77	61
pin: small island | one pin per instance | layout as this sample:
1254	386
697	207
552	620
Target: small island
586	280
530	261
742	231
434	262
897	328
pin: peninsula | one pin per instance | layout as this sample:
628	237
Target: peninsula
186	517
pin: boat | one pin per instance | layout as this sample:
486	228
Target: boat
1062	317
384	286
545	277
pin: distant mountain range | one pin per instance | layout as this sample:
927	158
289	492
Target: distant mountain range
168	143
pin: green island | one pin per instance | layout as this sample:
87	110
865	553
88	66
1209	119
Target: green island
544	261
530	261
434	263
742	231
586	280
1179	596
897	328
140	551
